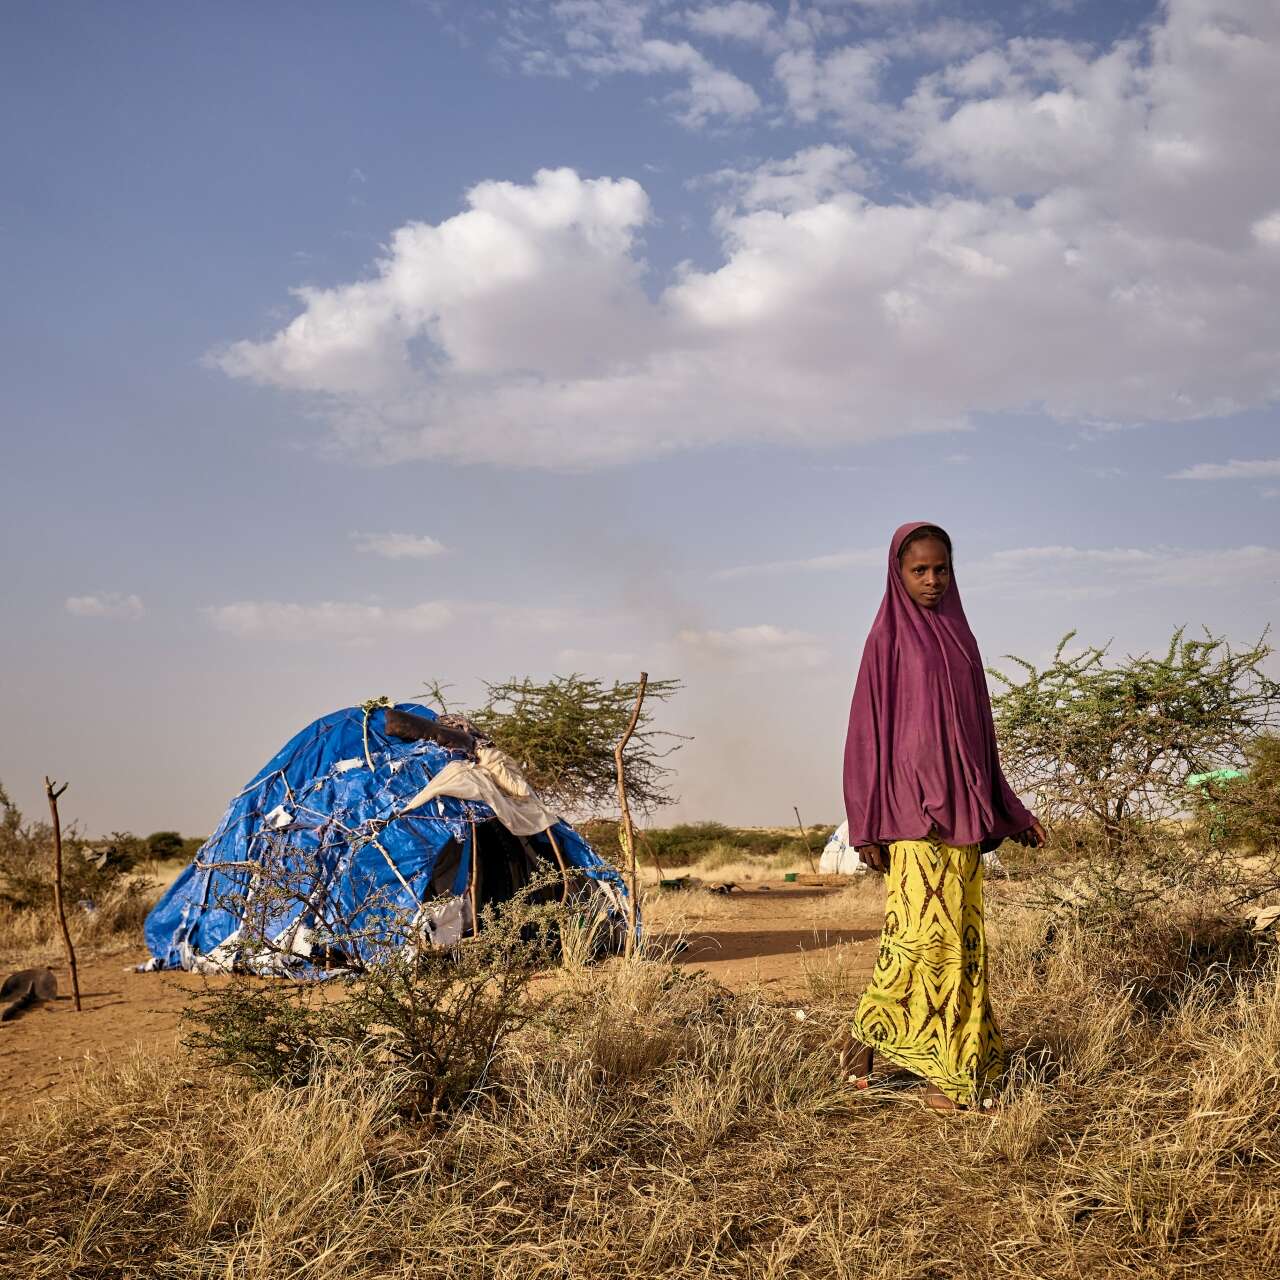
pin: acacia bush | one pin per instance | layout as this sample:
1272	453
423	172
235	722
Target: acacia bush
1106	748
424	1023
562	732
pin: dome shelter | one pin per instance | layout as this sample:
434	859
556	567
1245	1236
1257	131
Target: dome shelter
374	826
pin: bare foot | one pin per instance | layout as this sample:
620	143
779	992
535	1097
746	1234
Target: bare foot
938	1101
855	1061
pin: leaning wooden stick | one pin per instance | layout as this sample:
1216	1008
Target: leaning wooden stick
53	792
626	832
804	835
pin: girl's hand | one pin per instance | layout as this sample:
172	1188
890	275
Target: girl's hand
874	856
1033	837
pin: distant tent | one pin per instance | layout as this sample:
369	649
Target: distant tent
406	853
840	858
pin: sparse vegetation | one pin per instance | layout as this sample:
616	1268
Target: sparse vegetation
712	846
661	1126
562	733
1107	747
423	1025
107	900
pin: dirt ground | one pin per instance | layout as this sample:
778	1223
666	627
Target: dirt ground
768	934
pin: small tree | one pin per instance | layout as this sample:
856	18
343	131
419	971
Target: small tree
1106	749
563	732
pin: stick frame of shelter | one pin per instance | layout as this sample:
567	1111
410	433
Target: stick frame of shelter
564	869
53	792
475	882
804	835
626	831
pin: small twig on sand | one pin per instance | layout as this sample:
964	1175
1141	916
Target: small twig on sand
626	832
53	792
804	835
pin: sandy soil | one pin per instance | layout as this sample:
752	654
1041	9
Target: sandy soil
769	935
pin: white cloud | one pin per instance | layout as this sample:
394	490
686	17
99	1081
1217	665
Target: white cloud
1091	555
398	546
1066	572
1101	267
609	38
330	617
597	660
798	182
756	648
1267	230
1062	571
874	557
349	619
747	20
105	604
1236	469
844	84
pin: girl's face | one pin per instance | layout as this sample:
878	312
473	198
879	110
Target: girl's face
926	572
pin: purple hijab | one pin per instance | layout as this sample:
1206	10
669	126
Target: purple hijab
921	752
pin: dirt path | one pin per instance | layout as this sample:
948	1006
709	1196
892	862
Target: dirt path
770	936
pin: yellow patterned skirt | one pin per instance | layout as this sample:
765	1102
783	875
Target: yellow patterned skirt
927	1008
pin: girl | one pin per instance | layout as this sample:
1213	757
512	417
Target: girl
925	798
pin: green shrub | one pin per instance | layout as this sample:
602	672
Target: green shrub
427	1023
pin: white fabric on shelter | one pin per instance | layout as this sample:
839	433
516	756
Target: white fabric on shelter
839	857
493	779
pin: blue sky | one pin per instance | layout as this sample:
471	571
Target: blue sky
349	347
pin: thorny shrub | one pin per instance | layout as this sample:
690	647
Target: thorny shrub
427	1022
1107	747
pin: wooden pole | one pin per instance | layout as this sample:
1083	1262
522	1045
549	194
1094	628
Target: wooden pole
475	883
53	792
653	853
626	832
564	867
804	835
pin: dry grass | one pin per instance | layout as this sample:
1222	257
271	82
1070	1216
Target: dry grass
28	936
669	1128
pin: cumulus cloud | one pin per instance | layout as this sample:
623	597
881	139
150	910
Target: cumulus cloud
398	546
1236	469
760	647
105	604
1094	246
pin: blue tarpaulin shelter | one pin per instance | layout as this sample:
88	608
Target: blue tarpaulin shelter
360	872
